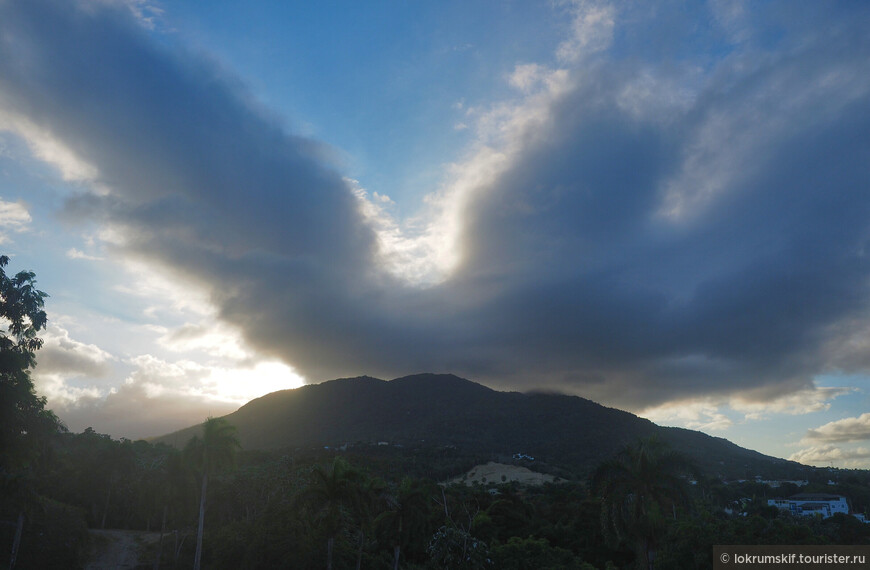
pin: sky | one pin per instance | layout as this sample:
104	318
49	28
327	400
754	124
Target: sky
663	207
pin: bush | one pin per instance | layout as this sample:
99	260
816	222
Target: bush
55	536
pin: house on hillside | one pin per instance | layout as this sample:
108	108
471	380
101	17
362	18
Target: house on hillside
812	504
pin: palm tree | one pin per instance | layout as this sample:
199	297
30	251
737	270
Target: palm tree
406	518
370	498
216	450
638	486
177	486
331	493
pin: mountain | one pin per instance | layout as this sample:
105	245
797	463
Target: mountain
445	410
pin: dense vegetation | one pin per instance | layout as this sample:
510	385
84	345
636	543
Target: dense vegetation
361	508
362	505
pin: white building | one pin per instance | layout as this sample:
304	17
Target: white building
812	504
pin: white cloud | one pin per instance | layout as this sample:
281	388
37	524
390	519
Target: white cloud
846	429
592	28
708	413
60	393
157	376
806	401
211	337
427	248
527	77
165	293
48	148
826	455
160	396
147	13
61	354
413	250
383	198
133	412
14	217
700	415
231	383
74	253
68	370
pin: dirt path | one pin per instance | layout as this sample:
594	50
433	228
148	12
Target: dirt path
120	549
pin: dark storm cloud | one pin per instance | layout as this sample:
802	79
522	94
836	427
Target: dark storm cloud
201	180
705	249
185	154
671	229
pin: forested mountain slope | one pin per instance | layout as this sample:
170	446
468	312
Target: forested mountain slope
445	410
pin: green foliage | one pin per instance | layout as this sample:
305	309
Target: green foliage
216	450
55	536
534	554
332	493
640	487
25	424
27	431
276	508
508	516
21	305
689	542
406	519
452	547
98	472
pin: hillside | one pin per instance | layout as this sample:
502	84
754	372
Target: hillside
445	410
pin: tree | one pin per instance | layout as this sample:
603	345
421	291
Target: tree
639	487
407	516
454	548
24	421
25	424
216	450
370	497
522	553
454	545
332	492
